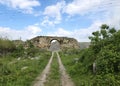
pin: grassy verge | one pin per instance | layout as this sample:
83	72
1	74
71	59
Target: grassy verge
54	76
82	73
76	70
22	71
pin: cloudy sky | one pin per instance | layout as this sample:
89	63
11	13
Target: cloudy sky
26	19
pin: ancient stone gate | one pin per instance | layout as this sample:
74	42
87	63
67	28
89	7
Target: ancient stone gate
44	42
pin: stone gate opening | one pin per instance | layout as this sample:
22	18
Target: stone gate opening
54	45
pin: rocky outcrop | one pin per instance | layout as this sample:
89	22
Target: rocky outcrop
44	42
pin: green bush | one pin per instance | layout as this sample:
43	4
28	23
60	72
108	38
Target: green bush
6	46
104	51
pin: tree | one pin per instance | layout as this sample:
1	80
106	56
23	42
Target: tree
106	47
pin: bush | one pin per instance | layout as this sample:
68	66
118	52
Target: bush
6	46
104	51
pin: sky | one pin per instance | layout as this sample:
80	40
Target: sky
25	19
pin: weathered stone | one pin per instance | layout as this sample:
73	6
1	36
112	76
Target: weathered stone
44	42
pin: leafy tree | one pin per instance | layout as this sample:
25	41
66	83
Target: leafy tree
106	46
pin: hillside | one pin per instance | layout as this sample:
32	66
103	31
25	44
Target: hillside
84	45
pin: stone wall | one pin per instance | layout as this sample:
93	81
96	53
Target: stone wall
44	42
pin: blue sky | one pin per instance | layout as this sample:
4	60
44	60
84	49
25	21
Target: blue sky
26	19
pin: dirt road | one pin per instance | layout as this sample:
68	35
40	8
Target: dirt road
41	79
65	79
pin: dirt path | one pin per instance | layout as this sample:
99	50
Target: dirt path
65	78
40	80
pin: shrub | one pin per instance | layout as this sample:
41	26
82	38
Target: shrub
6	46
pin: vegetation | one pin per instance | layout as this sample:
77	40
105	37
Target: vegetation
6	46
20	66
104	51
98	65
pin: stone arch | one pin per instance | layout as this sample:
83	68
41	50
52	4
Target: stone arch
54	45
51	39
54	39
44	42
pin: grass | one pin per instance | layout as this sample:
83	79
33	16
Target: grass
82	76
76	70
15	72
54	76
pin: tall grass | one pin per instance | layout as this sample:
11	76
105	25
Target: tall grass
20	66
6	45
82	74
21	72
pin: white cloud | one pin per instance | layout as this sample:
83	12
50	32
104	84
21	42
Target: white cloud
80	34
83	34
27	33
53	14
114	18
81	6
106	11
33	29
25	6
61	32
47	22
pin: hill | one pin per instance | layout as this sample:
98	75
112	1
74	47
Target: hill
84	45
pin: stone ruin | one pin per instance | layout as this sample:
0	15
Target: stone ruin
44	42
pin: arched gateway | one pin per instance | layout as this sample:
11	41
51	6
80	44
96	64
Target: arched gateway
44	42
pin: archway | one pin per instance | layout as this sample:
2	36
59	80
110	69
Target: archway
54	45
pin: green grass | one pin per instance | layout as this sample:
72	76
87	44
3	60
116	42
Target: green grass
76	70
82	75
21	72
54	76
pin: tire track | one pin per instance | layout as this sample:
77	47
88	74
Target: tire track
40	80
65	78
